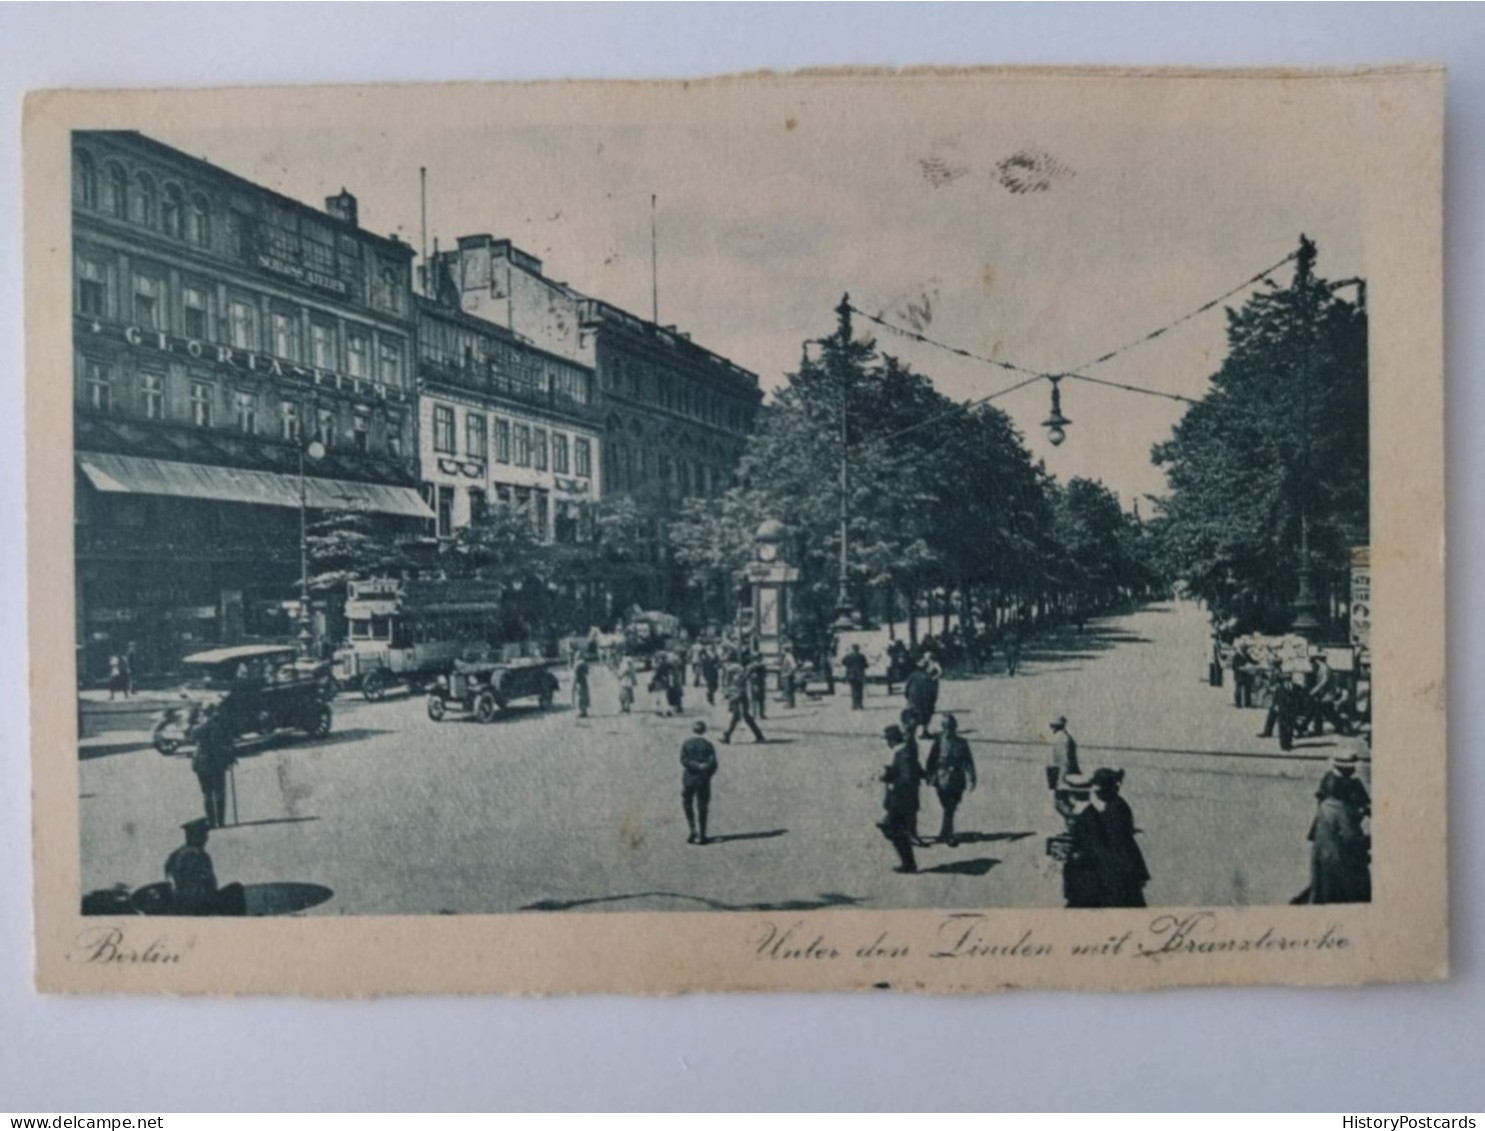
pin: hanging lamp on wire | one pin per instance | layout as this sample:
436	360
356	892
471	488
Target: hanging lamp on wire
1056	424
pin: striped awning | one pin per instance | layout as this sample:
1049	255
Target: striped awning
136	475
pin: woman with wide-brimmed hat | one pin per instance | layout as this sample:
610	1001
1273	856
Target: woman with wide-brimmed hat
1340	850
1124	872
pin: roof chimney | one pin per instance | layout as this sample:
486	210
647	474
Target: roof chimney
342	207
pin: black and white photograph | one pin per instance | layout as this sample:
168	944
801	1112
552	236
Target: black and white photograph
771	502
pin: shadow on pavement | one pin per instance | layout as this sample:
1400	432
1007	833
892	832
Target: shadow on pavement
95	749
747	836
987	838
277	898
978	867
283	897
266	821
822	901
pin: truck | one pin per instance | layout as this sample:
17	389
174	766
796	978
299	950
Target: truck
409	633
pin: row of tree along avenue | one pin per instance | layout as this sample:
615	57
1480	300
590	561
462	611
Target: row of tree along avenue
900	504
941	508
1268	473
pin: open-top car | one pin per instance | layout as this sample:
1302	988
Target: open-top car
483	689
251	689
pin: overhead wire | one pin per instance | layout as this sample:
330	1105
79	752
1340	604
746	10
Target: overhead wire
1077	374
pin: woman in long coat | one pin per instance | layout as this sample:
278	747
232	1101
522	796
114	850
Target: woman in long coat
900	800
1124	874
1084	867
1340	852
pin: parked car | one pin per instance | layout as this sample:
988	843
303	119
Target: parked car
484	689
252	689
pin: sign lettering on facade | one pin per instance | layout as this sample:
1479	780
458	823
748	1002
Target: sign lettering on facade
251	362
301	274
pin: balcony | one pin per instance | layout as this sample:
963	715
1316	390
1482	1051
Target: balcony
493	383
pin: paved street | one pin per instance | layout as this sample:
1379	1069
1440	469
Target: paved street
396	814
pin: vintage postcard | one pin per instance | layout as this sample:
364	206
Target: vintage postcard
942	530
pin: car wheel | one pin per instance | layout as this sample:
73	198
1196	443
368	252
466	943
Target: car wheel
486	707
167	746
319	722
374	686
546	698
436	707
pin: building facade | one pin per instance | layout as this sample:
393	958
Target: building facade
501	422
219	328
675	416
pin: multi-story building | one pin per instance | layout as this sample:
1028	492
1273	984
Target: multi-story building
675	416
503	422
219	329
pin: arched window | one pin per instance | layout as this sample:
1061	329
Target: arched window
84	179
173	211
197	231
142	203
116	191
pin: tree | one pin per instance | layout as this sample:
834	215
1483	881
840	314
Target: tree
1275	455
499	544
350	545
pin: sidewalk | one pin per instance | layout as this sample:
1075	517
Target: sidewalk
98	714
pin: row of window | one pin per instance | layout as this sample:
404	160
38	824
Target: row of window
569	522
290	239
632	469
112	191
514	443
193	313
510	366
104	391
674	394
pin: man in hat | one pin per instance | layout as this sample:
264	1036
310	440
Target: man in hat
909	723
1340	853
1124	872
210	761
900	800
1242	677
582	695
1064	761
736	689
758	684
921	692
1281	705
1013	649
854	664
897	662
950	767
193	880
698	766
788	674
711	671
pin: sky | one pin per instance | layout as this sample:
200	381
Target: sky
1038	222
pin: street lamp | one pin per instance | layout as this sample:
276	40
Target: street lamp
1056	424
1305	622
846	617
314	450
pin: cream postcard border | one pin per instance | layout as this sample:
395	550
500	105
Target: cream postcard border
1394	115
